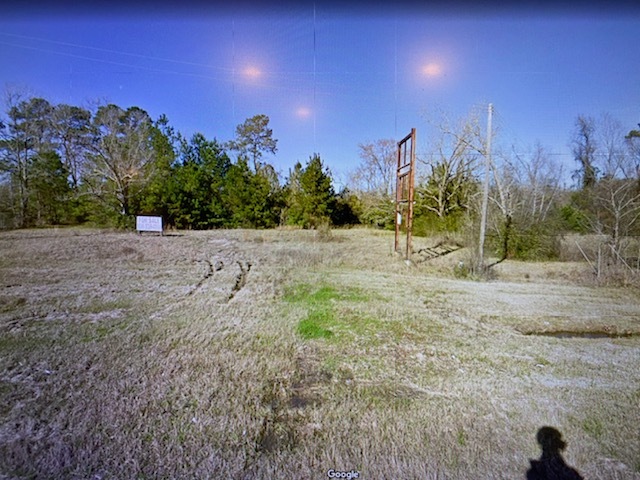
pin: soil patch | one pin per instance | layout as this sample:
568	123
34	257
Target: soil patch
593	334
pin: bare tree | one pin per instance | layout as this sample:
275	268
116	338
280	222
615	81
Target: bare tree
504	197
584	148
377	170
525	188
374	181
539	183
122	154
616	210
617	196
612	206
72	126
614	160
452	168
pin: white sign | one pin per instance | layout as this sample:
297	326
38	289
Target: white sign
148	224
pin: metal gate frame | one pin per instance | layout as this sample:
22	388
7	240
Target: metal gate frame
405	189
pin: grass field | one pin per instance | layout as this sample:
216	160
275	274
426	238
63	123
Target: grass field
282	354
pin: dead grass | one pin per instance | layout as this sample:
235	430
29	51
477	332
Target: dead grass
124	356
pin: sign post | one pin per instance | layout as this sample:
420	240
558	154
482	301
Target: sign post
405	180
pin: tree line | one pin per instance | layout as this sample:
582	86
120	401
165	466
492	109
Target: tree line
64	164
530	205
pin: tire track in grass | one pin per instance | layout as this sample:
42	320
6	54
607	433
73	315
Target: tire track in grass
219	265
239	282
241	279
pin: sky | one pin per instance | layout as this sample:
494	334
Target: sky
331	76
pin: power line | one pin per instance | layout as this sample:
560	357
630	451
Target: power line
117	52
110	62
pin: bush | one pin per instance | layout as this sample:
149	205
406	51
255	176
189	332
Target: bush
574	219
534	244
323	232
461	270
428	223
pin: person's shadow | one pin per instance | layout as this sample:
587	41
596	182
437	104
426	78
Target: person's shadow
551	465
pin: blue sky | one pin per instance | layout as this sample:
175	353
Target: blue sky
331	78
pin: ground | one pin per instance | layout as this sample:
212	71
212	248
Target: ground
285	353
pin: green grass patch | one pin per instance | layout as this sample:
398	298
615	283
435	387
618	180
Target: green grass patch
593	427
358	323
321	303
332	309
314	295
317	323
98	306
461	437
338	312
309	329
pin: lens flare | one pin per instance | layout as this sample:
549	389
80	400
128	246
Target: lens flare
432	70
303	112
252	72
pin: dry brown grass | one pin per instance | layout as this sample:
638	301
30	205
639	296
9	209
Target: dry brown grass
127	356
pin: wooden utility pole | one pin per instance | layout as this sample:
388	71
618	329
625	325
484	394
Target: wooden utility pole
485	191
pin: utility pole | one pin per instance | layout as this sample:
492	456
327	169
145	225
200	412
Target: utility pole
485	192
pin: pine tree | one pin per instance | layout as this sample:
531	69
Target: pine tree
311	197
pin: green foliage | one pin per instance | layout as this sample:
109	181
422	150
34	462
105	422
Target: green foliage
74	137
442	200
203	189
462	270
189	191
49	189
535	243
461	437
25	139
122	157
446	191
7	218
250	198
311	199
61	164
254	138
308	294
198	185
574	219
345	209
584	151
428	223
155	196
377	210
93	211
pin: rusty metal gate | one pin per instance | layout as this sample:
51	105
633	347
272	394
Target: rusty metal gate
405	181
